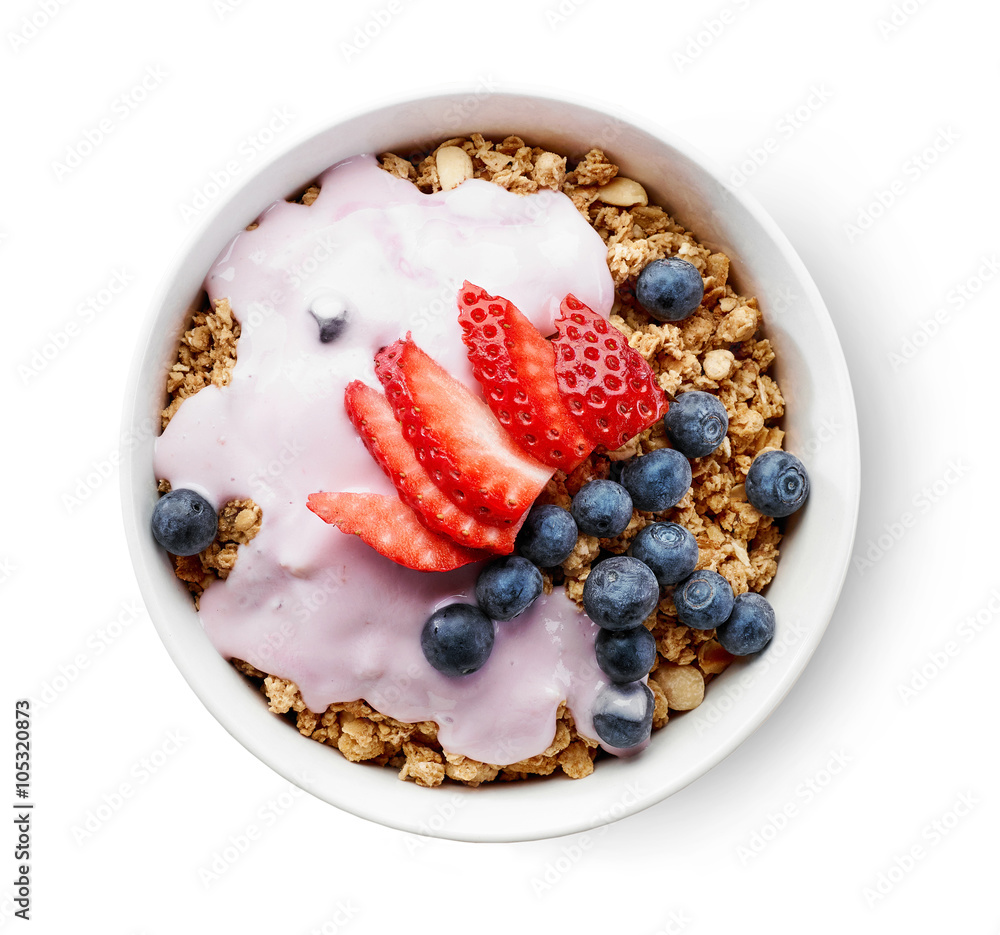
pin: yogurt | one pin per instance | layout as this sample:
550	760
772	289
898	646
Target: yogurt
305	601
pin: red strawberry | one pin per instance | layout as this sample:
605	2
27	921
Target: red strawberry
514	365
605	384
372	416
392	529
456	437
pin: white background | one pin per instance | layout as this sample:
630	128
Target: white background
717	857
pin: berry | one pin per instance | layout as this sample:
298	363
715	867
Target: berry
696	423
749	627
548	535
606	385
668	549
184	522
330	309
669	289
457	639
508	586
620	593
777	483
704	600
372	416
392	529
658	480
602	508
623	715
625	655
457	439
514	364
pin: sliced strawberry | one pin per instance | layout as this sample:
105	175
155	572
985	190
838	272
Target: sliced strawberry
605	384
514	365
392	529
373	417
457	439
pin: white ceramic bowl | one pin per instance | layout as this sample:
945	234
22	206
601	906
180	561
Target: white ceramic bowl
820	422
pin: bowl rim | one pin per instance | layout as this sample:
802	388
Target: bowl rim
264	739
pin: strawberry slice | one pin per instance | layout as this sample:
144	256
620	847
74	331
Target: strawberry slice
392	529
607	386
372	416
514	365
457	439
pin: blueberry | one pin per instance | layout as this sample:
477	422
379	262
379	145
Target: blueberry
625	655
184	522
668	549
507	586
620	593
457	639
602	508
750	626
704	600
777	483
696	423
670	289
331	311
623	714
547	536
658	480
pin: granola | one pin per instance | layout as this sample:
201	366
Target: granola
719	349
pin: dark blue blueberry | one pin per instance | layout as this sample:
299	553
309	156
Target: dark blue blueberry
669	289
332	312
331	328
457	639
620	593
602	508
696	423
184	522
704	600
668	549
547	536
777	483
623	715
625	655
658	480
750	626
507	586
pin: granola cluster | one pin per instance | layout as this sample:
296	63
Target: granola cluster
718	349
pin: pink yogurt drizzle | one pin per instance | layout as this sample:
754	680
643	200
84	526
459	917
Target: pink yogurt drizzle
305	601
